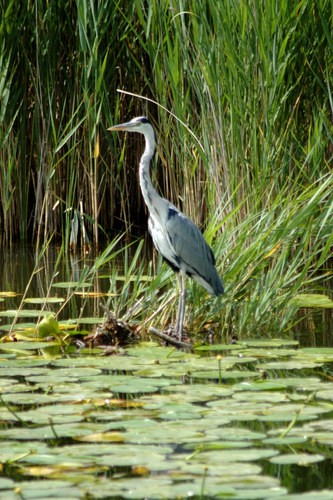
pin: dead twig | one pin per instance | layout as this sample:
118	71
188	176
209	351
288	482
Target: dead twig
169	339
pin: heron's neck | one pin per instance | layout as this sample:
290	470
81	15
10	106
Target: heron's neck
149	193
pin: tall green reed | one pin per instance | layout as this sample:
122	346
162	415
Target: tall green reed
244	77
251	79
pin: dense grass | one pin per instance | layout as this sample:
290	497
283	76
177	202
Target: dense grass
252	80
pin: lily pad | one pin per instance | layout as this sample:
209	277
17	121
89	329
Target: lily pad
168	433
118	425
152	351
52	377
88	321
261	385
219	347
123	383
7	381
203	392
261	343
288	440
17	451
23	371
50	489
310	495
286	412
218	445
71	284
53	431
44	300
6	483
302	459
224	375
300	383
236	469
23	313
289	365
48	326
212	457
325	394
26	346
21	362
239	434
17	387
239	411
270	396
19	327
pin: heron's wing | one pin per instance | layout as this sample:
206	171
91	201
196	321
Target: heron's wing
191	249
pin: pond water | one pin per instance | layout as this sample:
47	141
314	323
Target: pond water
315	326
252	420
19	263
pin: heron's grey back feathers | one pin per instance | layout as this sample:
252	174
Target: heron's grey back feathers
182	244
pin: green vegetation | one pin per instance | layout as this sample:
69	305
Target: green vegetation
252	80
158	423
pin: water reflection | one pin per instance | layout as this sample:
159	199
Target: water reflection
32	277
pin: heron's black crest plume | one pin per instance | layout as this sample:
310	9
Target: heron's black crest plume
143	119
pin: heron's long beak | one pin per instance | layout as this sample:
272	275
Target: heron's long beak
121	126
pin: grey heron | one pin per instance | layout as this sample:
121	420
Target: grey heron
175	236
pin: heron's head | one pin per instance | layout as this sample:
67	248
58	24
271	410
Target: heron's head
139	124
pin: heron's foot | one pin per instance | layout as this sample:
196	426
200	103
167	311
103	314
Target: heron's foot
171	337
173	332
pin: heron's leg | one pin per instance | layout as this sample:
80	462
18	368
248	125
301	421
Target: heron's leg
180	299
181	277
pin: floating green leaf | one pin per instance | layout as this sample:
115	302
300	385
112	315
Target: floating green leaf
6	483
311	495
157	412
48	326
23	313
297	458
71	284
295	364
224	375
219	347
44	300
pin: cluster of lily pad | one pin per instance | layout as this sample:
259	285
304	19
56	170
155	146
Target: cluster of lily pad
162	423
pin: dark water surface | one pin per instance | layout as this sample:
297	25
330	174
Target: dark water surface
20	273
122	395
315	326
